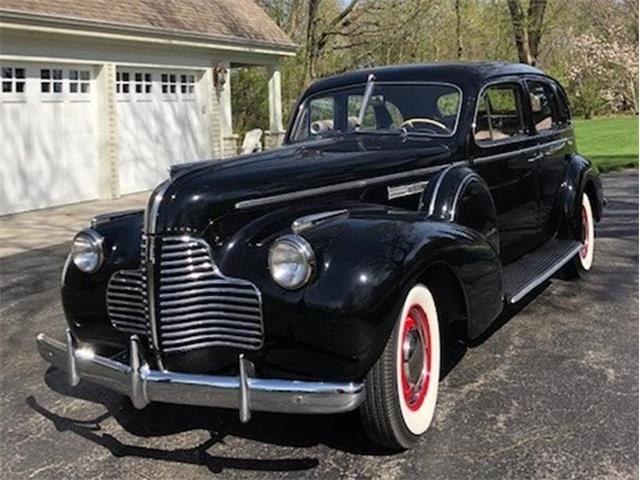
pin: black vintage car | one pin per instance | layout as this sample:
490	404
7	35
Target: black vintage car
407	206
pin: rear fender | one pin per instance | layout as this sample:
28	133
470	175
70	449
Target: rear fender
580	177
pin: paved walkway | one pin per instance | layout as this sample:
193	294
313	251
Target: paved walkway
22	232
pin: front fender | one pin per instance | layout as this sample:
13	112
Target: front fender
365	262
84	295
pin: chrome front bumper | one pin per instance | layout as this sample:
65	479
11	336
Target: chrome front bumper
244	392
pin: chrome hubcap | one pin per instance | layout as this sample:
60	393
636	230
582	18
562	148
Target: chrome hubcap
415	358
585	234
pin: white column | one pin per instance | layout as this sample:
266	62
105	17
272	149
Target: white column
224	93
276	131
229	140
107	134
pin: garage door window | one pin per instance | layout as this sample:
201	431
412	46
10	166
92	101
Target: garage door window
79	81
168	82
142	82
187	85
13	80
51	80
123	82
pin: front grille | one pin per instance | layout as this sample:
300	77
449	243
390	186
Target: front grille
198	306
127	301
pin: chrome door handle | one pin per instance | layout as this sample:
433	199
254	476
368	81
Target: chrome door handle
535	158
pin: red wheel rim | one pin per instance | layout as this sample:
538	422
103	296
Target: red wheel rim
585	234
415	357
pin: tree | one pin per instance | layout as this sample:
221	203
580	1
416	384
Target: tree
527	28
460	50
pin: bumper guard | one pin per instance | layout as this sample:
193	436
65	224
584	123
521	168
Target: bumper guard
244	392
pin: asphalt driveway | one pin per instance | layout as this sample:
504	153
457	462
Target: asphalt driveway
552	392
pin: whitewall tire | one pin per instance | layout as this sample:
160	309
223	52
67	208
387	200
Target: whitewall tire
585	256
402	387
583	261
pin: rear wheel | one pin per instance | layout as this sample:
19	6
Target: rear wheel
583	260
402	387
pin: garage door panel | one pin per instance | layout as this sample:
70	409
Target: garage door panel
48	134
158	125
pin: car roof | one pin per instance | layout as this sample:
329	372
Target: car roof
460	73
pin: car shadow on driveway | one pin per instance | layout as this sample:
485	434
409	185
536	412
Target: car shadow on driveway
341	432
157	415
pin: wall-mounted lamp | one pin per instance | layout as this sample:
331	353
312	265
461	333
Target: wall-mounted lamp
219	75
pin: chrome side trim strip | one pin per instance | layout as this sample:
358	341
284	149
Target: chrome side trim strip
309	221
434	195
338	187
406	190
545	275
501	156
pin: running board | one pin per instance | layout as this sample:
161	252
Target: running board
529	271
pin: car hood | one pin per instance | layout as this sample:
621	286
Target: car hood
201	192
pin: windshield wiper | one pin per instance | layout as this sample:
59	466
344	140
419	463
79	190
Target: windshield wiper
368	92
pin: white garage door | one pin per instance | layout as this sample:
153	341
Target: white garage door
48	149
160	123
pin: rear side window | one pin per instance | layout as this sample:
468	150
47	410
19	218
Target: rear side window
540	96
564	114
499	116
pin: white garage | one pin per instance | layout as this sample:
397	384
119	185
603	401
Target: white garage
98	103
47	135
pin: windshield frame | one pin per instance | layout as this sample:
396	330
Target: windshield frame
304	102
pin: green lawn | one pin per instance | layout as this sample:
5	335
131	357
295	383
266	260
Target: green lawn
609	142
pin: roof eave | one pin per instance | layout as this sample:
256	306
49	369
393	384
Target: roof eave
97	28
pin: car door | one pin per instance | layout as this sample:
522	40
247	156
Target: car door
501	149
553	135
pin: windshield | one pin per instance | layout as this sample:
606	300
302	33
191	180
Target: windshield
422	108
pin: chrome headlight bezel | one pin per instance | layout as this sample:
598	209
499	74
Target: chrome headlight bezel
306	261
88	242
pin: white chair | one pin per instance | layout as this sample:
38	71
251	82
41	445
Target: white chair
252	141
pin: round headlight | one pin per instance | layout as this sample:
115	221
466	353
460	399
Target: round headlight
291	261
86	251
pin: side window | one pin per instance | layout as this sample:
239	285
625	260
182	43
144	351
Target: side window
322	112
563	112
499	115
448	104
541	105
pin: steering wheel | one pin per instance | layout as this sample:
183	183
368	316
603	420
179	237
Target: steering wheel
409	122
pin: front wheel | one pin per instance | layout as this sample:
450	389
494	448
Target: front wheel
402	387
583	260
